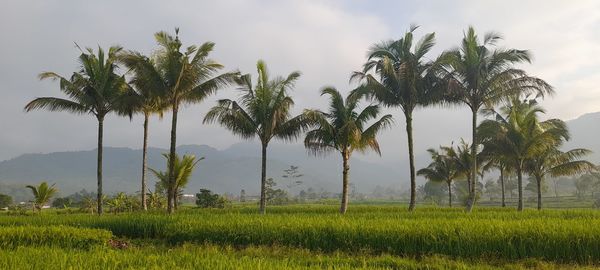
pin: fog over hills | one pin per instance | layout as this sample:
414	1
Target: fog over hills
234	168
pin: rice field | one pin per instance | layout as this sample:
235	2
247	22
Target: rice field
307	236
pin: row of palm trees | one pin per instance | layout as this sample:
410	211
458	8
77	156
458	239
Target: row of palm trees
397	74
515	141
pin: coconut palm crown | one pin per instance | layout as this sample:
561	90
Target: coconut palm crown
406	79
263	111
179	76
344	129
481	75
95	89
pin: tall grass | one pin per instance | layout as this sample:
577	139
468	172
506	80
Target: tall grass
213	257
52	236
558	235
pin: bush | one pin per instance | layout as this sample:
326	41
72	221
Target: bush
62	203
54	236
206	199
5	200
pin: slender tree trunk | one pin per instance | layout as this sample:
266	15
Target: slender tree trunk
538	181
175	200
502	186
411	159
99	166
144	162
520	187
449	193
263	181
469	183
471	200
345	183
172	154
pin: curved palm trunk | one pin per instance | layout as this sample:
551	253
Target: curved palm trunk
411	159
538	181
345	182
471	200
144	162
520	187
172	153
449	193
263	180
502	186
99	165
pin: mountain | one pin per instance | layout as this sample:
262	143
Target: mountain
234	168
585	133
229	170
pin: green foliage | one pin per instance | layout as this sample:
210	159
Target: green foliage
64	202
206	199
275	196
183	167
52	236
5	200
42	194
121	202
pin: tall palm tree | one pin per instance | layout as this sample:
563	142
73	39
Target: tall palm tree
95	89
184	167
262	111
344	129
443	168
555	163
147	101
179	77
518	135
480	75
42	194
406	80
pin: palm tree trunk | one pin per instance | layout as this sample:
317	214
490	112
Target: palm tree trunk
502	186
172	154
263	181
449	193
471	200
411	159
345	184
144	161
520	187
538	181
99	166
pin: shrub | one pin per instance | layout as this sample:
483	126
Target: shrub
62	203
5	200
206	199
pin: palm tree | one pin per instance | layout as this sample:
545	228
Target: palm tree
95	89
42	194
482	75
555	163
406	80
343	129
183	168
179	77
263	111
443	168
147	101
518	136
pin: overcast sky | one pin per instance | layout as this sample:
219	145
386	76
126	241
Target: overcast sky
325	40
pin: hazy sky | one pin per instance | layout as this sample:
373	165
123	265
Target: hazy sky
326	40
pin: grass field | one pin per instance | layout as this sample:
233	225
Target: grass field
306	236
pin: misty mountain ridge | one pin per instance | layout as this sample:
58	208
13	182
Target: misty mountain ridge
236	167
228	170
